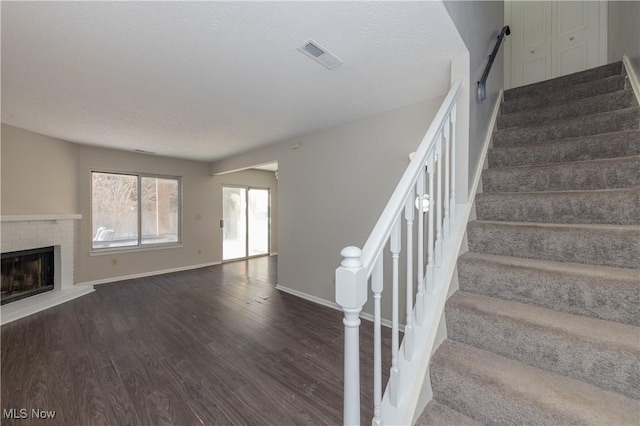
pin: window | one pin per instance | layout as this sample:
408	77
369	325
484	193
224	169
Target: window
133	210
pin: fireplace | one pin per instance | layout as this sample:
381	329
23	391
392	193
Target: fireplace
26	273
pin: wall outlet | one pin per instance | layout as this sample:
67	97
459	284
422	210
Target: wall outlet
114	261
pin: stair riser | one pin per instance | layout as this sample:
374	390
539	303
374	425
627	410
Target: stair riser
440	415
473	398
598	73
607	247
617	207
603	298
601	174
499	391
567	354
586	90
627	119
604	103
592	148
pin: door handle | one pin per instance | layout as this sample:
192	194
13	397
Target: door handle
221	223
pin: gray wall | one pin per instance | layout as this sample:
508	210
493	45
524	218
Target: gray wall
624	32
197	198
43	175
38	173
479	24
332	189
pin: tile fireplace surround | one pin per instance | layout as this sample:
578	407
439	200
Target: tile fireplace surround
24	232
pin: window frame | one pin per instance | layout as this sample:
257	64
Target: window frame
139	246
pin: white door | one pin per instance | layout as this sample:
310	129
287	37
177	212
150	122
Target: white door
530	42
553	38
575	43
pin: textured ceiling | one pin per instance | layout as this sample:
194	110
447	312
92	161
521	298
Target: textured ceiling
207	80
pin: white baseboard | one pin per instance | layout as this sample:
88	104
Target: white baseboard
309	297
273	253
333	305
147	274
25	307
634	79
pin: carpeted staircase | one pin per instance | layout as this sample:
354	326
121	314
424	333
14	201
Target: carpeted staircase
545	329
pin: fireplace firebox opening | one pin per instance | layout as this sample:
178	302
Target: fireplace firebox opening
27	273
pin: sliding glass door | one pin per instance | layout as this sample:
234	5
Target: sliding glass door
258	214
234	224
245	225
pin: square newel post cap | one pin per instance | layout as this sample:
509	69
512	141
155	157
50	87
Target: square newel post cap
351	280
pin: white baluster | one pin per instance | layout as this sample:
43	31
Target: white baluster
395	334
420	272
452	201
408	328
445	197
351	295
430	236
376	286
439	200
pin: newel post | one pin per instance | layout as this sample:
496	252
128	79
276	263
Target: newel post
351	295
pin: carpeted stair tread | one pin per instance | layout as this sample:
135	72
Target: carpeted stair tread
497	390
604	122
604	206
545	326
608	173
606	245
564	95
594	105
592	74
436	414
604	353
601	146
602	292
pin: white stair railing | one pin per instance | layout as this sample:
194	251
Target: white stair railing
428	185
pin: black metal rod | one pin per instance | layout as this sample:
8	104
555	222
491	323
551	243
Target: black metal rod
482	90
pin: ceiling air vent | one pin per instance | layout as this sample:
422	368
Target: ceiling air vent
320	54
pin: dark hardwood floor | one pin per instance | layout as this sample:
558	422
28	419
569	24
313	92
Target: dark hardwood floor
217	345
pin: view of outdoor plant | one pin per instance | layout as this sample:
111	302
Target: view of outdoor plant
122	217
